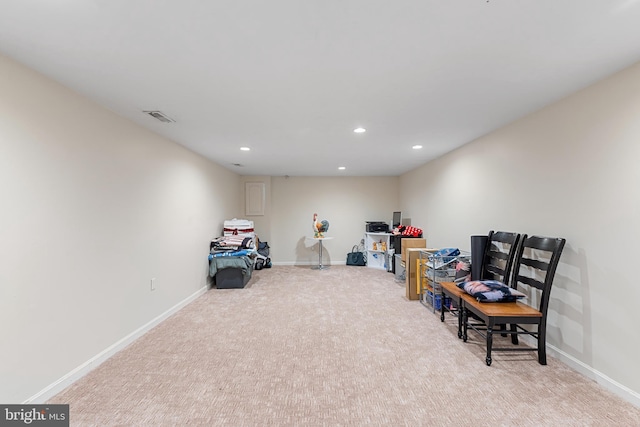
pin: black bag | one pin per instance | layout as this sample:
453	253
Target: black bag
356	258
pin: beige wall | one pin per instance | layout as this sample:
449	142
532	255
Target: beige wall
92	208
347	203
569	170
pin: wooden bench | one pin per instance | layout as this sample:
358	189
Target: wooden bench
534	268
497	263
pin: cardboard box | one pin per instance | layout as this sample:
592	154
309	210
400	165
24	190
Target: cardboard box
411	243
412	256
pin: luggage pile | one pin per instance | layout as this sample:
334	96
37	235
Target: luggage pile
262	257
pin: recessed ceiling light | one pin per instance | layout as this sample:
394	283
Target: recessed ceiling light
417	147
245	148
359	130
341	168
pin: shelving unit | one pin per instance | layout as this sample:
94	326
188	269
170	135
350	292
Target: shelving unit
378	250
434	269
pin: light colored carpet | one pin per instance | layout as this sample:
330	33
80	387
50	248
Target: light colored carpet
335	347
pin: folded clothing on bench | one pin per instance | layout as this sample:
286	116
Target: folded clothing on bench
491	291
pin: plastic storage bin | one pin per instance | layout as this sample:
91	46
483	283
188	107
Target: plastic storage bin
438	300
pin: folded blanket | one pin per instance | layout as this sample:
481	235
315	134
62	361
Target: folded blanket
490	291
241	252
244	263
236	242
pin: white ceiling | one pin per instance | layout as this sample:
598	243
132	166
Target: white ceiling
291	79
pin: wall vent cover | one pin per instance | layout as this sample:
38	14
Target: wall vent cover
160	116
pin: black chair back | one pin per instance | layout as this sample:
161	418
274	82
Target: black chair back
536	264
499	256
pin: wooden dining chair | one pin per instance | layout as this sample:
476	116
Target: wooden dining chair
534	269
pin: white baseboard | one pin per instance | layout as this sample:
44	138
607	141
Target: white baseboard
610	384
56	387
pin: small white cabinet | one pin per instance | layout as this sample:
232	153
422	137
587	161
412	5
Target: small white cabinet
377	246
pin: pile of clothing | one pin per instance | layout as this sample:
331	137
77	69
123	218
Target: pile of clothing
231	246
254	251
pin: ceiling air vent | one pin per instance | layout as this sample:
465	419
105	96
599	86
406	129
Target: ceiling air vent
160	116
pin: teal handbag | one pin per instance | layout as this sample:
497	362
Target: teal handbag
356	258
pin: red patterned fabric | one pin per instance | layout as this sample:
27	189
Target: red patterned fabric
236	231
412	231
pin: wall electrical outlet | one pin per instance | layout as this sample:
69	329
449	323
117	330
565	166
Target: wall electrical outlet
153	284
